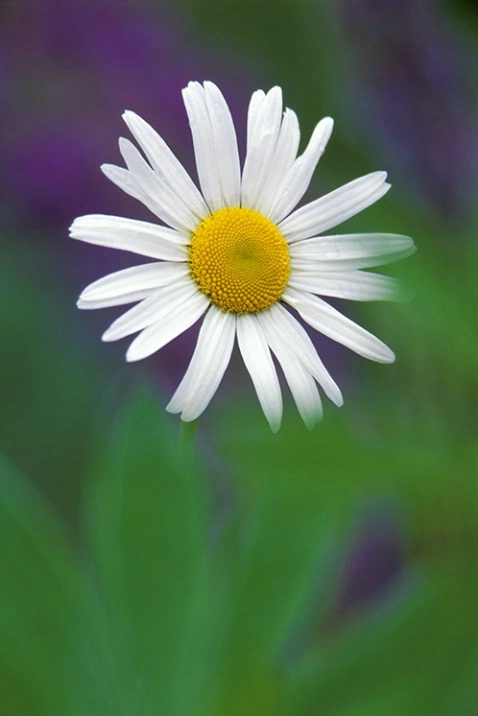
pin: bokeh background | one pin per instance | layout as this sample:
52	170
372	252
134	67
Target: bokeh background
326	572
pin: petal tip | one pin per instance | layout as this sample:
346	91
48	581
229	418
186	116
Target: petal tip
123	143
131	357
274	421
107	337
109	170
130	118
311	421
208	85
388	357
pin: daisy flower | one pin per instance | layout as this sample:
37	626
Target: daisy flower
238	254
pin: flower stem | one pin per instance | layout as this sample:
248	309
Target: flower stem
187	444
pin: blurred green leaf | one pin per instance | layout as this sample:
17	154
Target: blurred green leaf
146	523
280	545
304	489
410	660
48	664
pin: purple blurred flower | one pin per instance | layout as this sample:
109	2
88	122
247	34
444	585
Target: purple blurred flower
374	563
68	70
410	86
372	576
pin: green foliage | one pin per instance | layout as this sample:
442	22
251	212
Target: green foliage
48	382
123	630
415	656
159	619
146	520
46	610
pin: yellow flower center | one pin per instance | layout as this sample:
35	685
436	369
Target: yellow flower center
240	260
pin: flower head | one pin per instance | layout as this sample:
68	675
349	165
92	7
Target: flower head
238	255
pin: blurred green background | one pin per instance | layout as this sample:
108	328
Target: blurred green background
327	572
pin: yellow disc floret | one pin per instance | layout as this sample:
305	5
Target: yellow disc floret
240	260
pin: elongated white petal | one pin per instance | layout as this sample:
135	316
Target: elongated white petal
258	361
136	278
209	176
224	145
180	316
123	179
300	381
254	111
350	251
264	127
208	365
167	205
352	285
157	305
284	156
89	305
335	207
284	324
304	390
296	181
140	237
165	163
333	324
194	101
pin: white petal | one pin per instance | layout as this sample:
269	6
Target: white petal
180	316
258	361
136	278
162	199
165	163
333	324
140	237
350	251
352	285
254	111
284	324
263	131
300	381
127	181
335	207
154	308
282	160
122	178
224	145
296	181
207	367
194	98
196	108
88	305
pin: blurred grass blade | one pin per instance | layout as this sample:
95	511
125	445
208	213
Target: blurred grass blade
146	525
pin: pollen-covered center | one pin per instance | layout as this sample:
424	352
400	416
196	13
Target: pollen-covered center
240	260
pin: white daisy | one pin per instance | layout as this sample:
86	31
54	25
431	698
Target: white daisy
238	255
